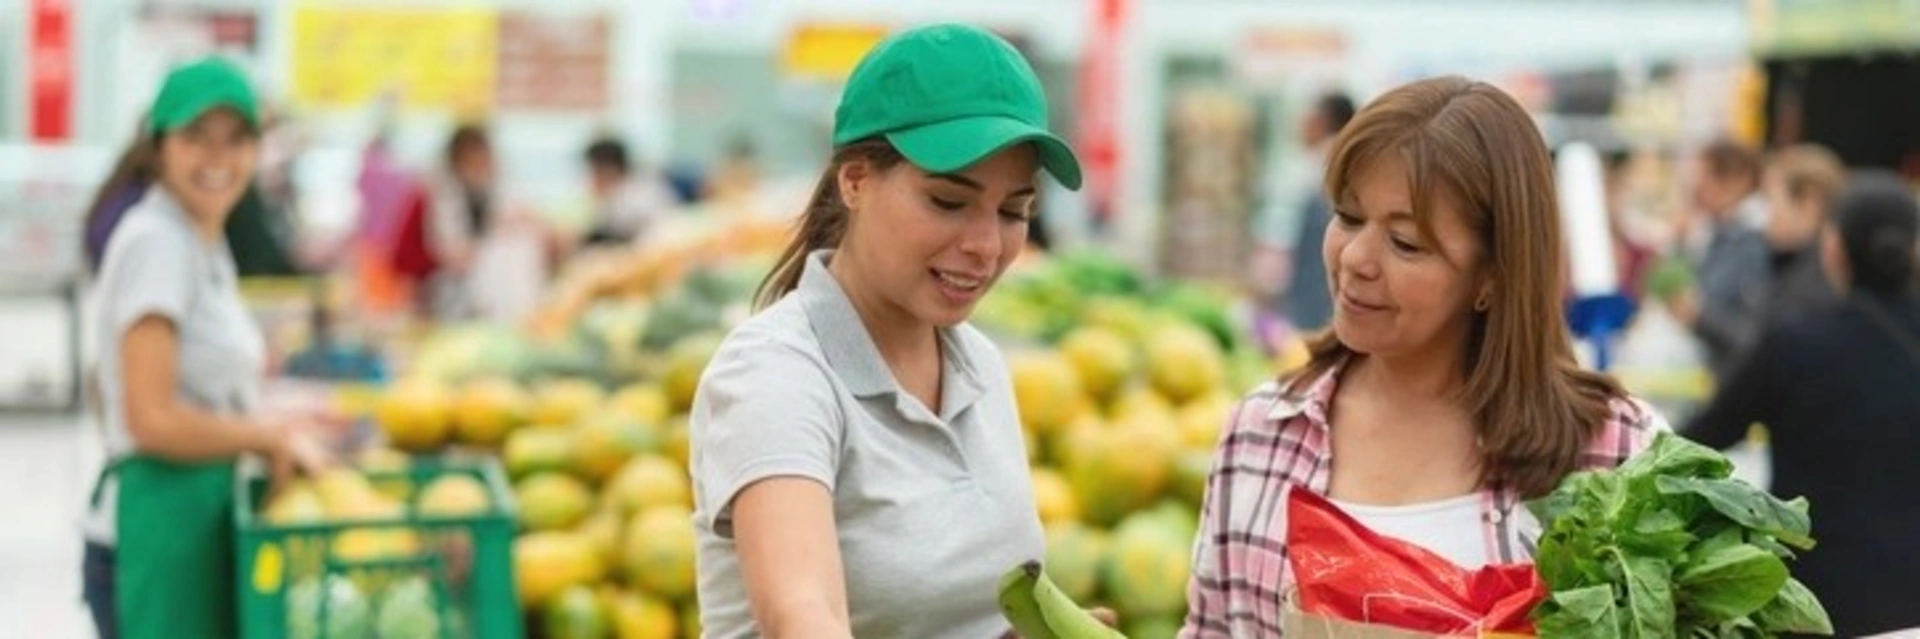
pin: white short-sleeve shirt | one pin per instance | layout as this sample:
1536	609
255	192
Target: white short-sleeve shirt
157	264
931	508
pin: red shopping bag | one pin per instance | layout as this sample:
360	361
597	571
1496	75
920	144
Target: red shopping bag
1345	571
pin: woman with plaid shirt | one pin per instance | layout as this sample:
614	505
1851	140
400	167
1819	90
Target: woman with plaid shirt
1447	382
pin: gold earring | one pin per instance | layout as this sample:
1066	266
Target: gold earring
1482	304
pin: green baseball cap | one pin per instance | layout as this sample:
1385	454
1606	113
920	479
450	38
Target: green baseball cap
948	96
195	88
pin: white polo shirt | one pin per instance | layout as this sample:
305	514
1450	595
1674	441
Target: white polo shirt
931	508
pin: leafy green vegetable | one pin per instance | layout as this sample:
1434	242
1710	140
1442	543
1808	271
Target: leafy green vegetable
1584	613
1668	545
1748	506
1650	598
1794	610
1680	458
1731	583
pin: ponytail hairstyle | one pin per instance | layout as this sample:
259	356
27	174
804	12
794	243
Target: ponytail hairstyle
138	167
824	223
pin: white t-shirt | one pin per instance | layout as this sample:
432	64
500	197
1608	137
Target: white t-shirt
157	264
1450	528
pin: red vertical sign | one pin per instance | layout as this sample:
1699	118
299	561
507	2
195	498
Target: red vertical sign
50	78
1099	143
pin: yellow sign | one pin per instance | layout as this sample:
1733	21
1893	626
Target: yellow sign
440	59
1823	27
829	51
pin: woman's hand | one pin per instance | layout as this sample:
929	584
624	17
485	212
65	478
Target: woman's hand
296	453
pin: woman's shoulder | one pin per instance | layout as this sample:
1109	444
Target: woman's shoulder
779	331
1630	426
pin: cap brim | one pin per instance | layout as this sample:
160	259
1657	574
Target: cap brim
953	145
186	113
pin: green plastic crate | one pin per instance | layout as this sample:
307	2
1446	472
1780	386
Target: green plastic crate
466	562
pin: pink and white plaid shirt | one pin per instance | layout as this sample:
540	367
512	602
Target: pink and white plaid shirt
1276	440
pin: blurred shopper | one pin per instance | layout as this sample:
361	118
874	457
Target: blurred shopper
180	361
1306	300
735	179
1800	184
1447	386
463	200
626	199
1724	308
857	459
1632	259
1835	388
491	261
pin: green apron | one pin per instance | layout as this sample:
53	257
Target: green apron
174	560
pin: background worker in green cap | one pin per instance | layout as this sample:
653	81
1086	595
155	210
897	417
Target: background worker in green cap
858	462
179	371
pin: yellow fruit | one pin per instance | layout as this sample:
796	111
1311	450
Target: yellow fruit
416	415
535	450
564	402
370	544
488	409
1184	362
298	503
637	616
363	506
646	403
1074	553
1200	421
1146	567
1189	479
659	551
383	460
551	501
690	619
391	465
602	529
454	496
648	481
1142	404
685	363
1046	389
1103	357
1053	497
1121	469
679	445
545	563
1063	446
605	443
341	487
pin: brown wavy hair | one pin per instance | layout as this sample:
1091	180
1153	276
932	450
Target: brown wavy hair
1535	409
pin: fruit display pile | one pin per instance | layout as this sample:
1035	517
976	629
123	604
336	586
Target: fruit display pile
599	482
348	511
1123	388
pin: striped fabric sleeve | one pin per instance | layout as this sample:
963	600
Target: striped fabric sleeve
1207	587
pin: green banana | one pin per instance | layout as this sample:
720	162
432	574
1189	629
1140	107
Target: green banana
1039	610
1019	605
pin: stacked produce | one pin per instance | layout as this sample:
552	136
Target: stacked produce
600	483
1123	388
359	558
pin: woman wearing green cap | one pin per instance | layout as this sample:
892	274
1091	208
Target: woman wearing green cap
179	370
858	464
